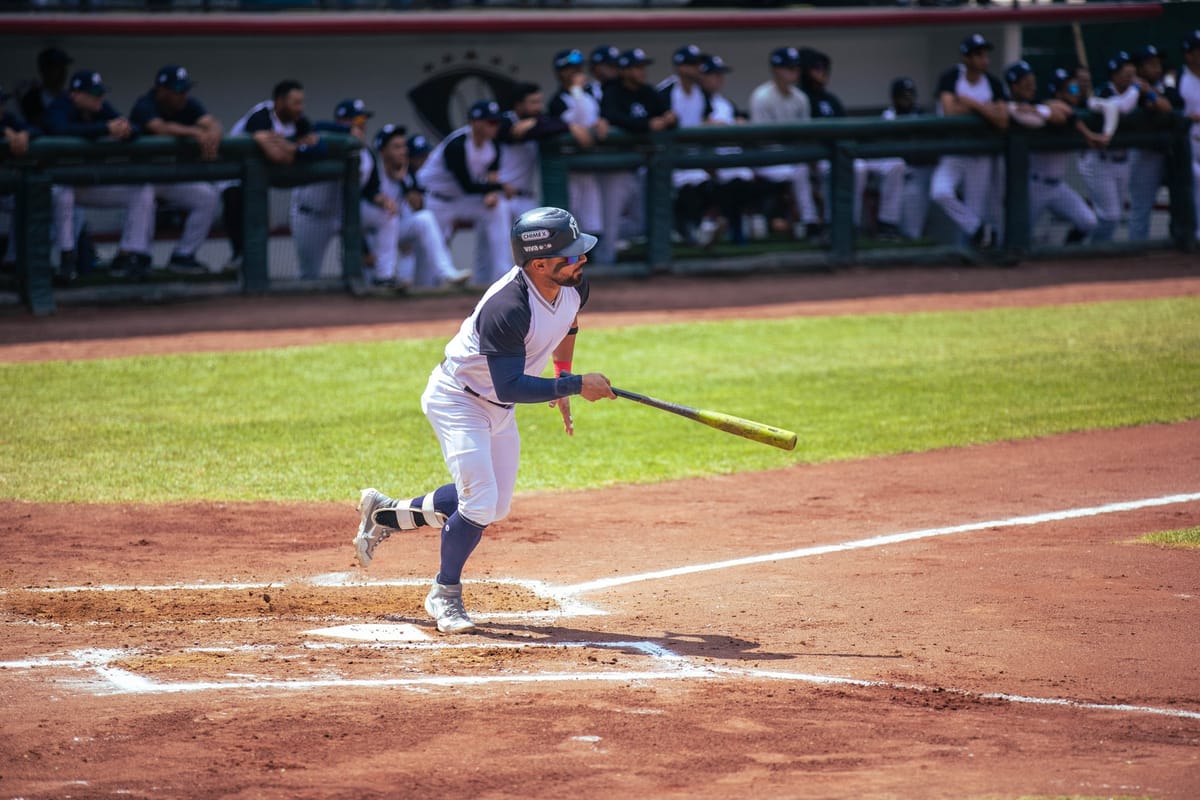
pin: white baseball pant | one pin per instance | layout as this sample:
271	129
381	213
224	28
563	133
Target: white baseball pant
890	172
1107	181
138	202
799	176
493	248
586	201
386	233
1055	196
200	200
915	205
977	178
623	194
480	444
312	232
825	172
1147	168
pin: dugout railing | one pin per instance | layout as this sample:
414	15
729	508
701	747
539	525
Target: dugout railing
155	159
158	159
840	142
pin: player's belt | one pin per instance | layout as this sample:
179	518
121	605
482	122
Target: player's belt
469	390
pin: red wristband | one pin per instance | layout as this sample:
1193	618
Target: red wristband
560	367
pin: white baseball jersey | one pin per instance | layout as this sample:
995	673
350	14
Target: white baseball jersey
511	319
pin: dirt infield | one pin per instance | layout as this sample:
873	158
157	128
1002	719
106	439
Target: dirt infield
965	623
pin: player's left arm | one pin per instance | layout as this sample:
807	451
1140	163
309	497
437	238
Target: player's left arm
562	356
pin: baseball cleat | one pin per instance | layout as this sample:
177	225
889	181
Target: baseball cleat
369	534
444	603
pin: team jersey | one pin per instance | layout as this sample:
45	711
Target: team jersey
145	109
520	158
458	167
64	118
768	105
262	118
824	104
985	89
575	107
379	181
692	108
511	319
631	109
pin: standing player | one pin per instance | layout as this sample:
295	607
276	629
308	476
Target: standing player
970	89
581	111
524	319
1048	187
780	101
912	197
1189	94
462	183
1148	167
170	110
521	130
605	66
1106	172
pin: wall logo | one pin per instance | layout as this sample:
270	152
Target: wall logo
450	88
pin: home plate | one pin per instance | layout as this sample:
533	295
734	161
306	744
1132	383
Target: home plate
403	632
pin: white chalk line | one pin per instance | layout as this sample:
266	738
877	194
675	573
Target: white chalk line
879	541
126	682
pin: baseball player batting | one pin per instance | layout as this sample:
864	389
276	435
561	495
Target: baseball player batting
524	319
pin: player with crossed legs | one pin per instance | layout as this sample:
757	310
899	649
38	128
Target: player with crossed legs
525	318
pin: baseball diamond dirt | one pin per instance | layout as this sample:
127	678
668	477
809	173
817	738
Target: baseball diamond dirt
968	623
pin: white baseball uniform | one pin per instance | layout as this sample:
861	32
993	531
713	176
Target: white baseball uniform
477	433
1106	172
1189	92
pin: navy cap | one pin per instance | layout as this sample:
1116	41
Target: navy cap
387	133
605	54
418	145
714	63
173	77
634	58
903	85
1117	61
785	57
688	54
353	107
1146	53
1059	79
1017	71
568	58
1191	41
485	110
88	81
974	42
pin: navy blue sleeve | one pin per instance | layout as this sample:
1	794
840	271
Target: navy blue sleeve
946	82
514	386
258	121
62	120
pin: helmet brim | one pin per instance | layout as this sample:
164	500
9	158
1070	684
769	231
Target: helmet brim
583	244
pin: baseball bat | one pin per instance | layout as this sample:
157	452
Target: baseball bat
747	429
1080	49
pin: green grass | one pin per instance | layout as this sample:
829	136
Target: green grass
1185	537
320	422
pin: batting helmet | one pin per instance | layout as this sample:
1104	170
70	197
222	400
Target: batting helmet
548	232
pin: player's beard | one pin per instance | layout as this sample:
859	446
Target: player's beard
568	280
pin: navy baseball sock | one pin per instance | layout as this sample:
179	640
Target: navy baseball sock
459	538
445	500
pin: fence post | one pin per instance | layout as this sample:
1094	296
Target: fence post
256	222
841	190
1180	185
1017	237
352	234
659	203
32	224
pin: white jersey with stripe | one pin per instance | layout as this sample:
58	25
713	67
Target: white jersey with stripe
511	319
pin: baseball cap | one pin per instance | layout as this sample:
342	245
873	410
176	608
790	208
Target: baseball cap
714	63
634	58
418	145
387	133
88	81
903	85
53	55
1017	71
1117	61
785	57
1191	41
353	107
1059	79
688	54
174	78
974	42
1146	53
605	54
485	110
568	58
